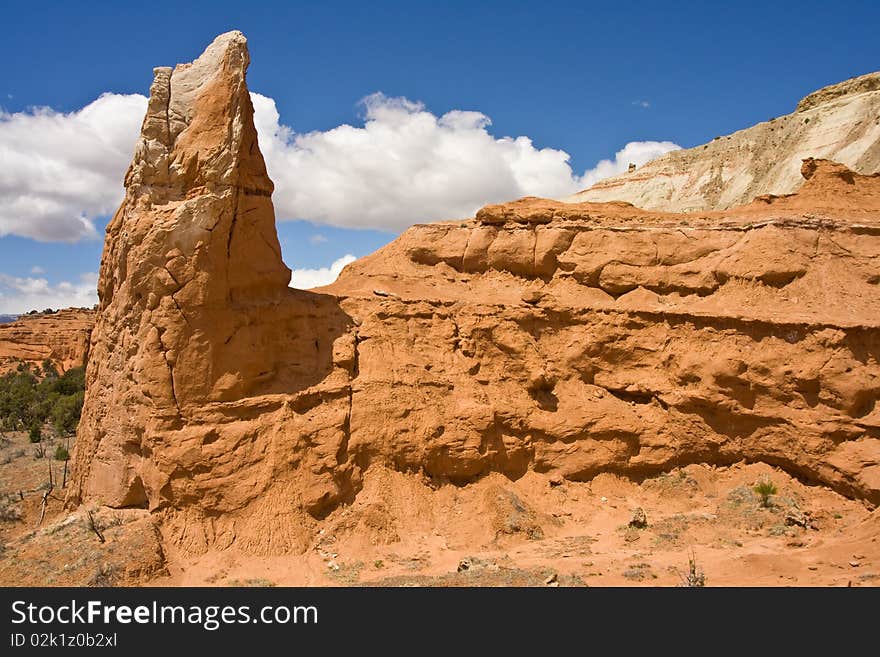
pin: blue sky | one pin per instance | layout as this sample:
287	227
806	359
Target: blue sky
581	77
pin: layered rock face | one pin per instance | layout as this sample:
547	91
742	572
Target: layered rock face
61	338
580	339
840	122
568	339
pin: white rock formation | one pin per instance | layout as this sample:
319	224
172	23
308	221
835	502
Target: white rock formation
840	122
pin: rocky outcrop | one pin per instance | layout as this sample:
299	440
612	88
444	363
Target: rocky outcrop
61	338
578	339
198	333
860	85
566	339
840	122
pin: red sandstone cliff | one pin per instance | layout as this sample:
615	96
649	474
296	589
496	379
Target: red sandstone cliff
61	338
566	339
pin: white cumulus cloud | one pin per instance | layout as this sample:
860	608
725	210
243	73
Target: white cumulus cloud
20	295
58	171
635	152
306	279
406	165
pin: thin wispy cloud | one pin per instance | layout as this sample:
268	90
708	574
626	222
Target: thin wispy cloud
317	238
644	104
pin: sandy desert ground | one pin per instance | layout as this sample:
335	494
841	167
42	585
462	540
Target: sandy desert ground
405	530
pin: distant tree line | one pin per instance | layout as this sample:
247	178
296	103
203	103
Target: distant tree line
32	397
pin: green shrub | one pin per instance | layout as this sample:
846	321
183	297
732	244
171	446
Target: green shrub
61	453
765	488
71	382
49	369
35	434
32	397
695	577
66	412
